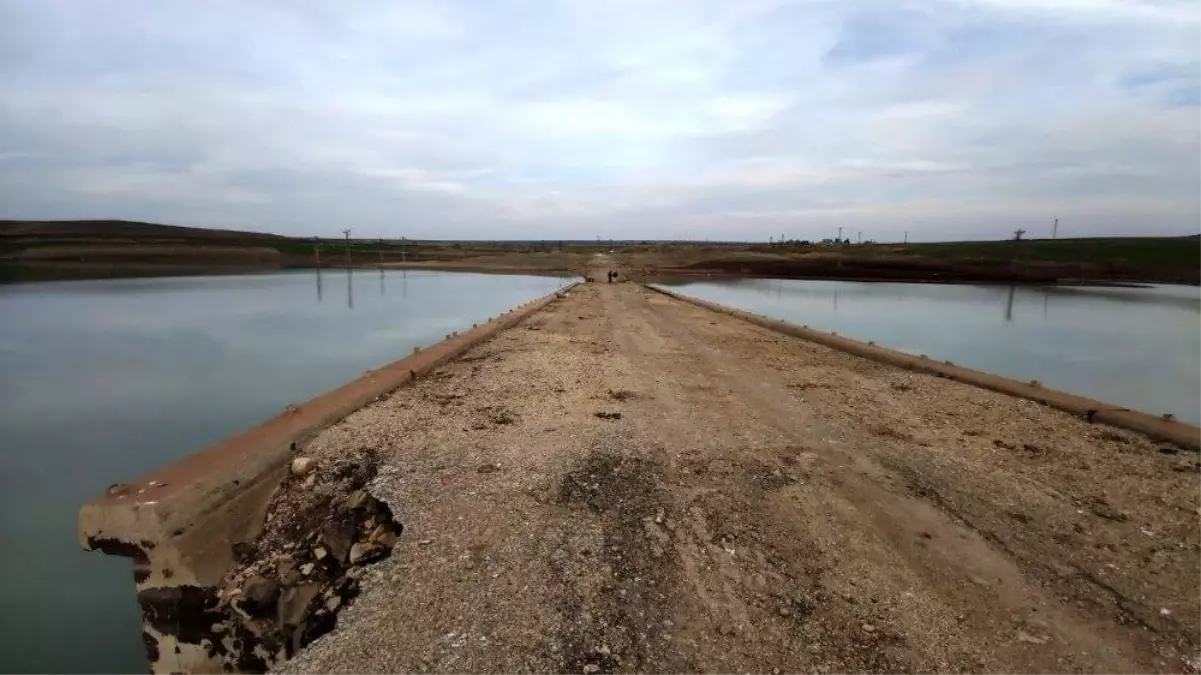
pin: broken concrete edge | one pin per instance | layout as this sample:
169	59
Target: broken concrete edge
179	523
1157	428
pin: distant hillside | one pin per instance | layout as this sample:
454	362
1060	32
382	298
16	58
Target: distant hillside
107	229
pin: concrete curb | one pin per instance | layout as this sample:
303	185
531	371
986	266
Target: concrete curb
179	523
1159	428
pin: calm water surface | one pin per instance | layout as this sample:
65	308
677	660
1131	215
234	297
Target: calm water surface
101	381
1136	347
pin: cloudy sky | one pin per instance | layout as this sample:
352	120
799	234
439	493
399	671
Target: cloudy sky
612	118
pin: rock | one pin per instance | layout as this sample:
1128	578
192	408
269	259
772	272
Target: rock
358	499
333	603
1189	465
319	553
486	468
243	551
287	573
349	587
363	553
386	538
425	542
310	481
338	537
319	623
301	466
608	415
1023	636
868	628
307	569
1104	510
668	623
590	668
1168	448
294	604
259	596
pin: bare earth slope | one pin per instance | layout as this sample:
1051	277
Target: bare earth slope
760	503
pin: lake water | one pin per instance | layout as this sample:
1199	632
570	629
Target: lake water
101	381
1136	347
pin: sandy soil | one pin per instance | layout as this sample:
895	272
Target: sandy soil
628	483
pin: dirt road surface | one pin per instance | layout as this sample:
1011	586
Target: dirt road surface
628	483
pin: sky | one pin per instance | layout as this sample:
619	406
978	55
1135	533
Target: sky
623	119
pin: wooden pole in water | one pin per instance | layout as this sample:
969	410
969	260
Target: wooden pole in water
347	233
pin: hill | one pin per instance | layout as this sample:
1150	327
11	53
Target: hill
41	250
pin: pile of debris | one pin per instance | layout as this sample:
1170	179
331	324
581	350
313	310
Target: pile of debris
322	528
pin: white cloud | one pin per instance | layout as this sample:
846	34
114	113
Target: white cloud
623	118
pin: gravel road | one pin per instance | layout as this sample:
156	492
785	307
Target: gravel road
628	483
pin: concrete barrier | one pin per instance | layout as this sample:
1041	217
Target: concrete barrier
179	524
1159	428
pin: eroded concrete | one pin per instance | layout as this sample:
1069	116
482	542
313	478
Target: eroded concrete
180	524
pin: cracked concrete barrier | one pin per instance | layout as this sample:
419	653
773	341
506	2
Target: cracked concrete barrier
1159	428
179	524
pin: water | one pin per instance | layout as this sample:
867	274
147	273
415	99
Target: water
1136	347
101	381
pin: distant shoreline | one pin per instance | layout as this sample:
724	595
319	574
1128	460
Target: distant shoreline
70	250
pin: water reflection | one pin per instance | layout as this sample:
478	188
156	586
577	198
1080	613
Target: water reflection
1138	347
320	279
779	288
182	362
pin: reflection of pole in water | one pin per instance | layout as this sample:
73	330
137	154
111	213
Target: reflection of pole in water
404	283
835	300
1046	298
1009	304
381	282
350	288
317	257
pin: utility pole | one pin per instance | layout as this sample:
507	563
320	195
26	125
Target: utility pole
906	240
347	233
1017	234
1055	229
859	239
839	239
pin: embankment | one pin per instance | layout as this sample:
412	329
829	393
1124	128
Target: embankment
184	525
631	482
